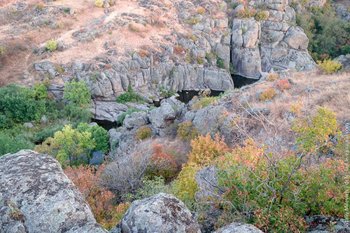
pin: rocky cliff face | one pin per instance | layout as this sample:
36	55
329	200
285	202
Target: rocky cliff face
36	196
270	41
152	45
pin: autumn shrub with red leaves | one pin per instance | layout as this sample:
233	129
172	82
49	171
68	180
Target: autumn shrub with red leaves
167	159
100	199
162	164
283	84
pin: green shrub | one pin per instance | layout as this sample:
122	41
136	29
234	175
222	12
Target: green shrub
220	63
98	134
186	131
143	133
129	96
78	98
166	93
77	114
40	91
51	45
149	188
262	15
46	132
280	192
185	186
329	67
77	93
328	34
18	105
315	132
12	144
69	146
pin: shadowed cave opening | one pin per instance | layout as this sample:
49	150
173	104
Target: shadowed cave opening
187	96
107	125
241	81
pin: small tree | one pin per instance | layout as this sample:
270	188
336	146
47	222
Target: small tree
69	146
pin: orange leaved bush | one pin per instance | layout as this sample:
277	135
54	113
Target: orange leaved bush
162	163
100	199
283	84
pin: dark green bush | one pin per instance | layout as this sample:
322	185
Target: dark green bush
329	35
129	96
19	104
46	132
11	144
77	93
98	134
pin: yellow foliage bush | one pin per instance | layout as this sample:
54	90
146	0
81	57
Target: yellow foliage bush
272	76
185	186
99	3
51	45
329	66
143	133
262	15
268	94
201	10
205	150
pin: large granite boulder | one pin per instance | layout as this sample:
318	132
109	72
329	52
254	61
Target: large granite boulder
238	228
107	111
36	196
169	110
161	213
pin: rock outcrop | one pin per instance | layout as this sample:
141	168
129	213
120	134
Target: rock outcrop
208	185
345	61
36	196
239	228
272	43
161	213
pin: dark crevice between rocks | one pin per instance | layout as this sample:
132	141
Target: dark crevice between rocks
107	125
240	81
187	96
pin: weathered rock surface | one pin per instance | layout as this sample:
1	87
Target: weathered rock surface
107	111
345	61
36	196
161	213
208	185
239	228
271	44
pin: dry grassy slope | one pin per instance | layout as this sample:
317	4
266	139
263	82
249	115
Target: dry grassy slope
129	25
308	92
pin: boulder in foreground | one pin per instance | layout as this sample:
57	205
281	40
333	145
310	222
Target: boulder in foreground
36	196
161	213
